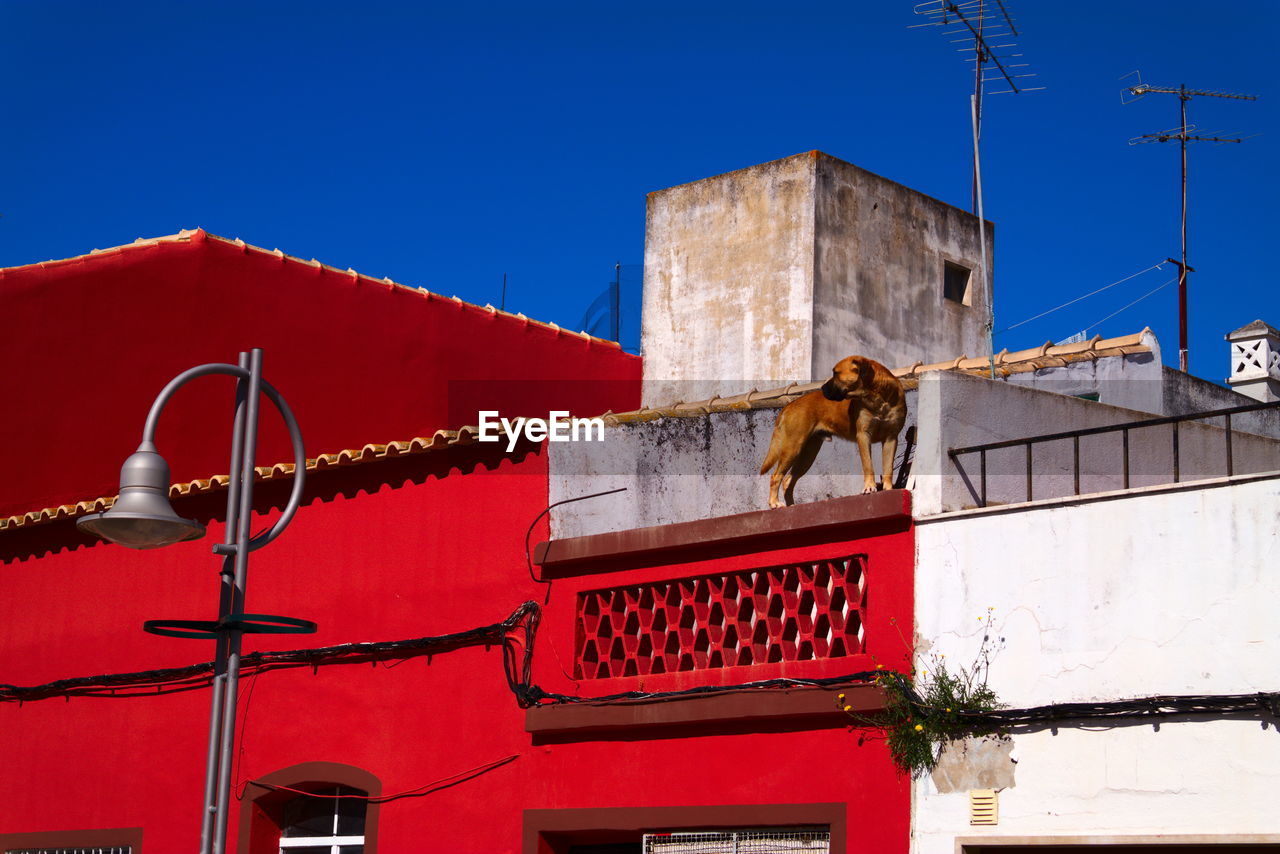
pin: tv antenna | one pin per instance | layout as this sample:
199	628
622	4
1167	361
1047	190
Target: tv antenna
985	28
1183	133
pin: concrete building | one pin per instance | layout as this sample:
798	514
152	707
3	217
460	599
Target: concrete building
768	275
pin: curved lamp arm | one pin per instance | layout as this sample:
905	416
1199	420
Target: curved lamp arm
295	437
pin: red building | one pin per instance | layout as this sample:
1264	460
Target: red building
456	718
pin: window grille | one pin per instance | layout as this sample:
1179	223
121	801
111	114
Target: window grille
96	849
760	841
802	612
325	823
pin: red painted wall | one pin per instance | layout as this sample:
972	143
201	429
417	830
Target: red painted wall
420	545
381	551
87	344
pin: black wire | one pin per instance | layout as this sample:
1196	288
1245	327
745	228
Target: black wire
527	556
518	666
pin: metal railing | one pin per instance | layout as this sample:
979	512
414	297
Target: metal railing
1124	429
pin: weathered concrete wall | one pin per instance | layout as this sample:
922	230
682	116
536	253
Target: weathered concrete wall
772	274
958	410
1184	393
879	255
728	283
1170	593
683	469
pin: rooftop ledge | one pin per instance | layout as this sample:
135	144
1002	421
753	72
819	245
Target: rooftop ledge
855	515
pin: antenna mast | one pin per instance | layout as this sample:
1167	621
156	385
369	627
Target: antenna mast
983	27
1183	134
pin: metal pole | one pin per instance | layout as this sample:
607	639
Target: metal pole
225	600
982	241
1183	360
615	312
234	635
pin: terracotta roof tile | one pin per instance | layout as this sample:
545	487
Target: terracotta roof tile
1045	356
190	234
349	457
1048	355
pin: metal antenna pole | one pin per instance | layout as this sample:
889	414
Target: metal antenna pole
981	26
990	322
616	299
1183	360
1183	134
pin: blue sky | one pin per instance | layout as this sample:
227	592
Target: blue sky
445	144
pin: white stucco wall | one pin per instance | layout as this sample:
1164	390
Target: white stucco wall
1172	592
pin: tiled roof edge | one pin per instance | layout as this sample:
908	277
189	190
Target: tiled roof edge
1046	356
187	235
351	456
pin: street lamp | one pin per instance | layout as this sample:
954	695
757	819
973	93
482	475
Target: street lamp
142	518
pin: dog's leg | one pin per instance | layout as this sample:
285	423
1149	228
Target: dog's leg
802	463
890	449
781	477
775	481
868	470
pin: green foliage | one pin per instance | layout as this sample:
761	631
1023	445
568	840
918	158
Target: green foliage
923	713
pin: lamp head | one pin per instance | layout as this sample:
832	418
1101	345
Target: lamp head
141	517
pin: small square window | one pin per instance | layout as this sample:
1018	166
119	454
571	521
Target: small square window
955	283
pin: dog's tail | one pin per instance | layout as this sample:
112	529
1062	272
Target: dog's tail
774	453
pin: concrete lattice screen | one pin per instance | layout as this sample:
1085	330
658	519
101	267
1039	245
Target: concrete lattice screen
801	612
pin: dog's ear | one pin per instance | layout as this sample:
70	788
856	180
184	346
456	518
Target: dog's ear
866	372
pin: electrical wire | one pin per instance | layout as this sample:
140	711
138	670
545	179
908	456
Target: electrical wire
175	679
528	557
1077	299
426	789
516	636
1131	305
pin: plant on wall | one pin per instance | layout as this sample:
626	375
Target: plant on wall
923	713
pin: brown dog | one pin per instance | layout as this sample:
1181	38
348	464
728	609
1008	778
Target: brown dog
862	402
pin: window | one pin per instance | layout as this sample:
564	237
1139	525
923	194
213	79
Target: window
767	840
311	808
955	283
330	821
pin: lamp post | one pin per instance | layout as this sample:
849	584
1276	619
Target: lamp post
142	518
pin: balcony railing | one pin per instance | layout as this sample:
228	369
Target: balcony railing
1172	421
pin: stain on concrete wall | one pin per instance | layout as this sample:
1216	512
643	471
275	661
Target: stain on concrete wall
975	763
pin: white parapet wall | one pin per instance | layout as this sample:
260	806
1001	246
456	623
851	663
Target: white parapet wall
1169	591
957	411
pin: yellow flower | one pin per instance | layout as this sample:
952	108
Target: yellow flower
879	667
839	696
948	710
848	708
919	727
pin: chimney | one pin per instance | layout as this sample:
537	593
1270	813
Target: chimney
1255	361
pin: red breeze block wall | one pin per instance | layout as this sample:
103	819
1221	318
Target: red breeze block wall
724	610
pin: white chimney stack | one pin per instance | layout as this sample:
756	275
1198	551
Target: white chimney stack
1255	361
